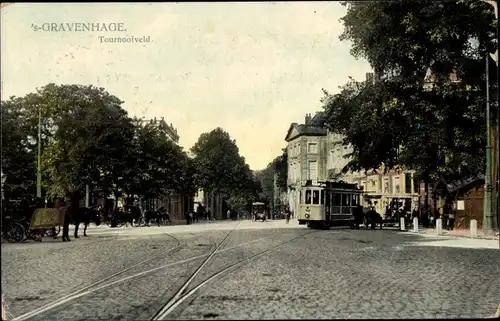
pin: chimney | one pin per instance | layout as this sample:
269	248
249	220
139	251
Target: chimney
308	119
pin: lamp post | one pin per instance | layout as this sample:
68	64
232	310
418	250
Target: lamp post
39	155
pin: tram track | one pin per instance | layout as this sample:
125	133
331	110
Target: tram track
54	303
104	283
182	294
117	284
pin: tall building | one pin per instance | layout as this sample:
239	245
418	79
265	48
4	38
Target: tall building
306	146
168	129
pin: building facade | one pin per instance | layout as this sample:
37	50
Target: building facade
306	150
317	154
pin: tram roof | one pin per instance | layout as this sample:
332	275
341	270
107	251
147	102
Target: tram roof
336	185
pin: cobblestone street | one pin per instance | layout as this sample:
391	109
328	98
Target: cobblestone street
307	273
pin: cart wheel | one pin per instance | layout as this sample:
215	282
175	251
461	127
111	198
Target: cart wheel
52	233
37	235
15	232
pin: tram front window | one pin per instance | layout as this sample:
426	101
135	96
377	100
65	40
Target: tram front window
308	197
316	197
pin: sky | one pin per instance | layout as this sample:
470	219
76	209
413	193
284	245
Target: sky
249	68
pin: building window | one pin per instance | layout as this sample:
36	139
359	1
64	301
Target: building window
313	170
395	181
386	187
408	183
312	148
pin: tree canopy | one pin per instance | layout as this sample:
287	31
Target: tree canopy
425	108
88	138
277	167
220	168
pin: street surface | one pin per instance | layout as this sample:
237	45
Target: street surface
306	273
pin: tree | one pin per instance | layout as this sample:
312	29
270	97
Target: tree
90	140
434	126
84	136
280	166
18	156
266	180
220	168
217	161
160	165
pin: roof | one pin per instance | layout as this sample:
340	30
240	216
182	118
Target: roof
304	130
319	119
456	185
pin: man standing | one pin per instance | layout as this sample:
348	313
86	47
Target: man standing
68	209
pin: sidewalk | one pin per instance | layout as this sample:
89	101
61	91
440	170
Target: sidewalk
458	233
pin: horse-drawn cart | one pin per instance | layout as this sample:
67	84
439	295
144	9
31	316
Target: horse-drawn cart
46	222
20	221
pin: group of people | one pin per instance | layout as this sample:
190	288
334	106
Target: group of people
194	216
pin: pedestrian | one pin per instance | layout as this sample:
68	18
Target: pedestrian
288	214
451	220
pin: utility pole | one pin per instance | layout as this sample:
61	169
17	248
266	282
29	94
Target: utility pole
496	135
497	146
488	193
493	140
39	161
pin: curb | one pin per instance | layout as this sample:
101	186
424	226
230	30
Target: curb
494	238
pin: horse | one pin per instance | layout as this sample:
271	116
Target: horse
133	214
86	215
161	215
373	218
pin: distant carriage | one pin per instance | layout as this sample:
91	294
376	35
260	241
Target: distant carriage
259	211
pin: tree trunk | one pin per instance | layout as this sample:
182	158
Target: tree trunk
212	207
426	191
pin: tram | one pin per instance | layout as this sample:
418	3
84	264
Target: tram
328	204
